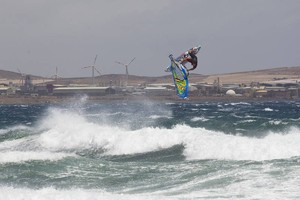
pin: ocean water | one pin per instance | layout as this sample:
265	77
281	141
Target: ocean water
150	150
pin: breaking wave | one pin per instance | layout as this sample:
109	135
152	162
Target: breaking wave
63	133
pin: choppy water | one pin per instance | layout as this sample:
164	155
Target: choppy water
150	150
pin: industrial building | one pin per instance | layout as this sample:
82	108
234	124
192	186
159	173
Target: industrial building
93	91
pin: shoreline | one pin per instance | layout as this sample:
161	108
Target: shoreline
28	100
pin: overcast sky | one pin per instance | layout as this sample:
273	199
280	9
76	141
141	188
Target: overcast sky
37	36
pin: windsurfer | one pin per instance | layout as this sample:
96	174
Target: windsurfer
190	56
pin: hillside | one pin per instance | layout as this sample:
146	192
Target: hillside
257	76
120	79
9	75
14	75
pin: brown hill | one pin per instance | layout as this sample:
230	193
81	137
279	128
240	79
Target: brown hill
237	77
120	79
9	75
257	76
14	75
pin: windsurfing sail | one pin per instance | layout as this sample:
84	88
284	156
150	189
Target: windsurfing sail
179	74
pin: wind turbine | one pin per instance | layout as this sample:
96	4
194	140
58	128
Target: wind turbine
126	66
93	69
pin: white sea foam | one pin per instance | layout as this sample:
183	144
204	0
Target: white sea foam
212	145
195	119
159	117
247	121
268	109
14	128
68	131
63	131
80	134
276	122
239	103
10	193
11	144
21	156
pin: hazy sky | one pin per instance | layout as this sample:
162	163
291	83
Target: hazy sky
37	36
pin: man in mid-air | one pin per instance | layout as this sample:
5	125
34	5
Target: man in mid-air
189	56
